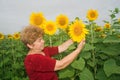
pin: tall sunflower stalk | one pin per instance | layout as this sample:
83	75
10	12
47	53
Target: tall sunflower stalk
13	56
92	15
50	40
62	22
113	18
15	40
2	51
92	44
50	29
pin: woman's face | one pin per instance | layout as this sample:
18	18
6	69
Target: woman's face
38	44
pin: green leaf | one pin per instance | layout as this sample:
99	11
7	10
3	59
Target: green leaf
116	26
110	67
66	73
85	55
72	47
86	74
6	60
88	47
57	43
112	16
91	63
117	10
105	21
15	78
114	77
112	50
111	39
19	55
103	56
78	64
101	75
16	66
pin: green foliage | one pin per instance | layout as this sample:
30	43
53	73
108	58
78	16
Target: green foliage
86	74
78	64
99	60
12	54
66	73
111	69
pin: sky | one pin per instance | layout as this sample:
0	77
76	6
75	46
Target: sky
14	14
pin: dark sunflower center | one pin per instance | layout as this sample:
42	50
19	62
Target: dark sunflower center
38	20
50	27
62	22
92	14
77	31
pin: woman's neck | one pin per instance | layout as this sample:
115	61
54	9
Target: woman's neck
35	52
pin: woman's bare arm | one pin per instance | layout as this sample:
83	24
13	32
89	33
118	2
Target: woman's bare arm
60	64
65	45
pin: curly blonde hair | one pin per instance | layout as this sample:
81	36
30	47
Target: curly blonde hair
30	33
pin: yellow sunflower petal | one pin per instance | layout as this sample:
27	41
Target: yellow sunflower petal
9	36
16	36
50	28
92	14
107	25
77	31
62	21
1	36
37	19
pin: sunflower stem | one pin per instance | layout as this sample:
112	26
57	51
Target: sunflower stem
92	43
13	55
50	40
111	27
3	67
61	40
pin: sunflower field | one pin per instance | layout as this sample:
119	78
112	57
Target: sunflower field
99	60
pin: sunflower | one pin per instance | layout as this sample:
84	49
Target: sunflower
107	25
118	36
62	21
77	31
103	35
9	36
98	29
37	19
50	28
1	36
119	20
16	36
92	14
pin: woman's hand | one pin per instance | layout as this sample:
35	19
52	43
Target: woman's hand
61	64
81	45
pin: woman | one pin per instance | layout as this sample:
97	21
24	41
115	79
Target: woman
38	62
